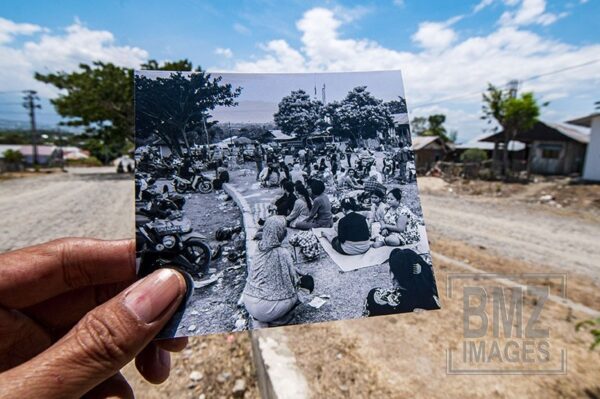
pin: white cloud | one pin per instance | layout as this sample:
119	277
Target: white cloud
9	30
481	5
457	67
241	29
530	12
225	52
434	35
399	3
50	52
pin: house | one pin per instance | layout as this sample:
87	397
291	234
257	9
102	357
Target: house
401	129
591	168
551	148
516	148
428	150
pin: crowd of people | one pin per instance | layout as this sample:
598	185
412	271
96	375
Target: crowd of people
343	191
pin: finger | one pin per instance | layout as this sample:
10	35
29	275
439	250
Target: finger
172	345
33	274
62	312
20	339
115	387
154	363
102	343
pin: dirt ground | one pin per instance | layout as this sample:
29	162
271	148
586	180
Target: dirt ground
395	356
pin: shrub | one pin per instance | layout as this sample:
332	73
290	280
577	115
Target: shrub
90	161
473	155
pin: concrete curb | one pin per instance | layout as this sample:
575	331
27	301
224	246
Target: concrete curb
275	365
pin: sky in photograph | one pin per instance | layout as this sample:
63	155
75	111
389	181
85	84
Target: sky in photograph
261	93
448	51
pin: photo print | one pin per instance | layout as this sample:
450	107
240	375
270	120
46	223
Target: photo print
282	198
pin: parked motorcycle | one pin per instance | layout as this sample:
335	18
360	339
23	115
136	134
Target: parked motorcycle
197	183
162	242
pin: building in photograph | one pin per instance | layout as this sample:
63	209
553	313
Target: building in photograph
551	149
429	150
591	168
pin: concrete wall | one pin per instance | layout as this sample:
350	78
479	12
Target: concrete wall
591	170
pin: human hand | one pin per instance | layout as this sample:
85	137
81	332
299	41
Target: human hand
67	327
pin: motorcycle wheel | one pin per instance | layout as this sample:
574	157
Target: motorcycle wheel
198	253
180	188
205	187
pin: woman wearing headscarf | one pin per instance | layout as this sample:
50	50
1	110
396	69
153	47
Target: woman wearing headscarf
270	291
413	287
297	174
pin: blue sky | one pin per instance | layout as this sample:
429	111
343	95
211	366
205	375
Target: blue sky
447	50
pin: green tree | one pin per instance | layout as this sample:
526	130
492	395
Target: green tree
418	125
513	114
13	157
359	115
298	114
433	125
594	328
173	107
99	97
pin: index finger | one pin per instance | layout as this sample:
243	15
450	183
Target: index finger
34	274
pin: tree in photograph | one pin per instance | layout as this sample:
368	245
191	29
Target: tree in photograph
172	107
297	114
397	106
433	125
513	114
358	116
99	98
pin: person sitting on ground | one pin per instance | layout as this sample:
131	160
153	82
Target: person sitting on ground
375	174
353	235
297	174
414	287
378	207
302	206
400	226
271	177
285	203
270	291
320	213
349	181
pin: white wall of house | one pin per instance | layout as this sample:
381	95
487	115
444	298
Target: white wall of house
591	168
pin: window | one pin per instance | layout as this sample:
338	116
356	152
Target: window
551	151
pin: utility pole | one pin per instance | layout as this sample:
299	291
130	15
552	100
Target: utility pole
31	103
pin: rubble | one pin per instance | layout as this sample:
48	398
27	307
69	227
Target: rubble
239	388
196	376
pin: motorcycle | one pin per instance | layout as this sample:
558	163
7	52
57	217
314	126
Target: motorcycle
161	242
203	185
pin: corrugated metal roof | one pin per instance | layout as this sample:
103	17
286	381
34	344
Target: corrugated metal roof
571	132
585	121
419	142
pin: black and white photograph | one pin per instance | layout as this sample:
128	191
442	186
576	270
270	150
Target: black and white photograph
282	198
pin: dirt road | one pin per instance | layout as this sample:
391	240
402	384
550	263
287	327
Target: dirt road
519	231
94	202
387	357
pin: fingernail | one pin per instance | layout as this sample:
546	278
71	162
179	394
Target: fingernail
164	358
150	297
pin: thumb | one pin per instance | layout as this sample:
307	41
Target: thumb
104	341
